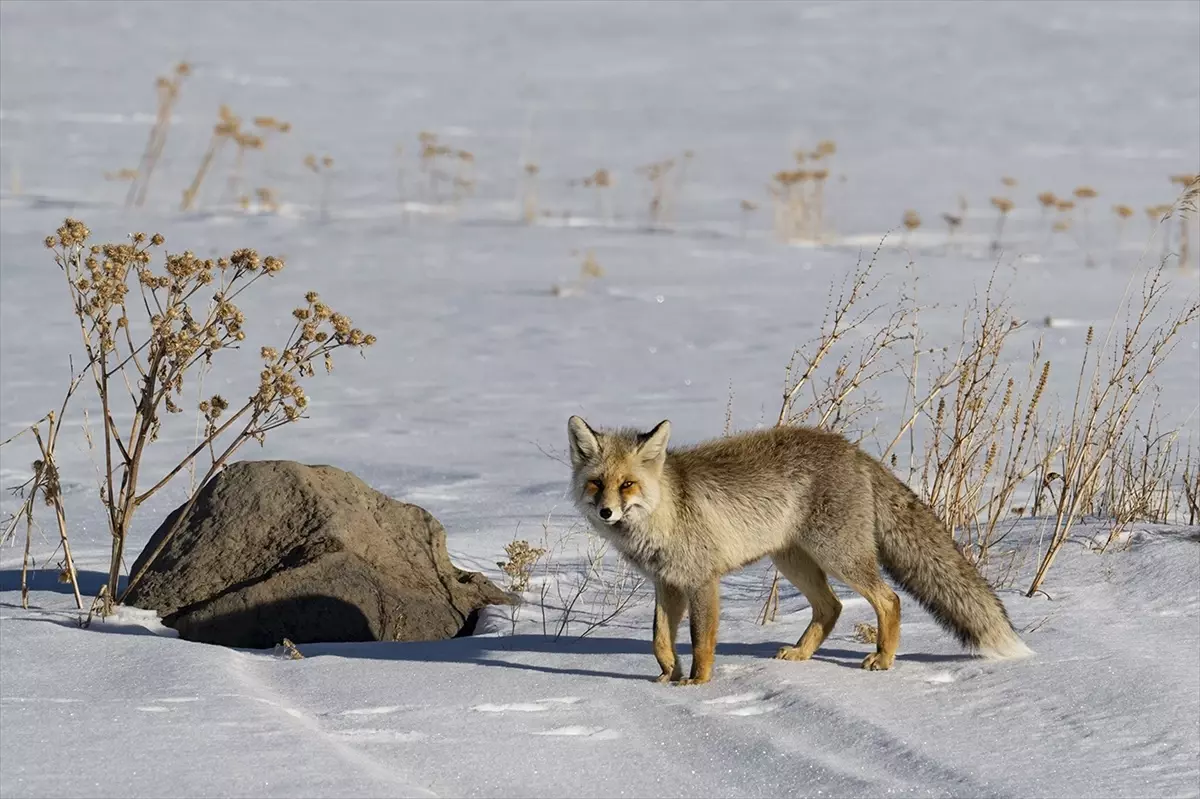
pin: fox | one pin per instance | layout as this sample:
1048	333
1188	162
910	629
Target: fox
814	503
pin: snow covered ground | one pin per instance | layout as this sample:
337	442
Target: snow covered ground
462	405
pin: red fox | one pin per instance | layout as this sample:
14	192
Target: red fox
810	500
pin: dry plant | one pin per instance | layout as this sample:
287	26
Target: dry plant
748	208
589	269
953	223
601	181
799	212
270	128
788	196
1048	200
588	593
245	142
182	327
527	192
441	163
1187	182
518	568
45	480
287	650
227	128
1140	479
834	402
824	151
1084	194
323	169
1065	220
1107	400
865	633
1003	205
464	177
664	193
1190	488
911	222
121	175
168	94
1123	213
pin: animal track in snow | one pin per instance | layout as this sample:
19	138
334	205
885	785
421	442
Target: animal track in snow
733	699
539	706
595	733
750	703
371	711
380	736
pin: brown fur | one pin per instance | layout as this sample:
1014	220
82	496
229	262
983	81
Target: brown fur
808	499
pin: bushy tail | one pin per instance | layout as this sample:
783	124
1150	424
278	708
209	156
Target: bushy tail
918	552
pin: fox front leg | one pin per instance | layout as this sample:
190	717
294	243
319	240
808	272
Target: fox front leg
704	613
669	604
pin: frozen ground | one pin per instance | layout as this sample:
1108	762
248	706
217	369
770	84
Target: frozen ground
464	401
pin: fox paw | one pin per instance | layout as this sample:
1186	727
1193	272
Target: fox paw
693	681
791	653
667	677
878	661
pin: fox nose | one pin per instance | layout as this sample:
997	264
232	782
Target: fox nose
605	513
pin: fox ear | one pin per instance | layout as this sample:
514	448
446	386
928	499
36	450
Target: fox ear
653	445
584	444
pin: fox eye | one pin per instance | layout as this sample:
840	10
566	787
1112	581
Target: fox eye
596	484
628	484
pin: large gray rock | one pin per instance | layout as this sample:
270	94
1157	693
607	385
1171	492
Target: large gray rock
276	549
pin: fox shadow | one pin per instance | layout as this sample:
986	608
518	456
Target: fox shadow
505	652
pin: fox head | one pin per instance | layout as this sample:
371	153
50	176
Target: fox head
617	475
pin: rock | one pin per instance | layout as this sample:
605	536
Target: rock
276	549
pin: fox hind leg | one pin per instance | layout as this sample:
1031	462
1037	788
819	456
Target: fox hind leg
857	566
883	599
804	573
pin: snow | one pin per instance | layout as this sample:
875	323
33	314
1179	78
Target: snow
462	405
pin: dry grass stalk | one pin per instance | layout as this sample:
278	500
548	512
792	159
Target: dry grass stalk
45	480
601	180
168	94
1084	194
953	223
911	222
1186	205
323	169
180	329
747	208
527	192
227	128
1004	205
658	174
